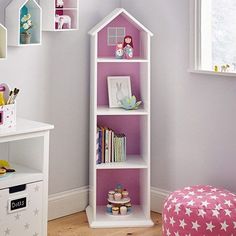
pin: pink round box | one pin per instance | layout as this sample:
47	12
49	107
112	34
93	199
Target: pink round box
200	211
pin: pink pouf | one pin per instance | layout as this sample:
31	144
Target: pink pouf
200	211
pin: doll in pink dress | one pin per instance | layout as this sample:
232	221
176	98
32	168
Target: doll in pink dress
128	47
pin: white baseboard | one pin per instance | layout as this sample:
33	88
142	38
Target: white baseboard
67	203
70	202
158	197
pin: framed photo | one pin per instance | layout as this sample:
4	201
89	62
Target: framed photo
119	87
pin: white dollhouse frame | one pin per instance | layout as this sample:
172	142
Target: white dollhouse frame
140	216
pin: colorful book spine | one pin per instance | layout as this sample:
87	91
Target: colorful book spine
97	147
106	145
110	147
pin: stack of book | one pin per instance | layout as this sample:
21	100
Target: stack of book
111	147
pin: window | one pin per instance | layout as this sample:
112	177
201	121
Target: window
215	35
115	35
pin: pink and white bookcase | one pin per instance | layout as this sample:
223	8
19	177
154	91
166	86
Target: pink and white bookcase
134	174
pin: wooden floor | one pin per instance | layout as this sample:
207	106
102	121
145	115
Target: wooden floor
77	225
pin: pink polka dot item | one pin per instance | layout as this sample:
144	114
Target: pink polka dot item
200	211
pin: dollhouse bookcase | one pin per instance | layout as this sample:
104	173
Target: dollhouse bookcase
14	13
3	42
134	173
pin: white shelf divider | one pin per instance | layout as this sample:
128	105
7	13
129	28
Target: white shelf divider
3	42
132	162
22	175
114	60
106	111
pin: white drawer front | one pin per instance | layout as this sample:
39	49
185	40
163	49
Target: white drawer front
21	212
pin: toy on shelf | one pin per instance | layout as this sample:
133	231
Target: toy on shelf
119	202
128	47
5	168
59	3
225	68
130	103
62	20
216	68
119	51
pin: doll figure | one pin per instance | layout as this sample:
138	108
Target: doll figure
128	47
119	51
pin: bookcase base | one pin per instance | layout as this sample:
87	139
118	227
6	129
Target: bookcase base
103	220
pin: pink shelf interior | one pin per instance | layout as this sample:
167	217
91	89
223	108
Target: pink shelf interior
73	16
109	51
129	125
108	179
117	69
68	3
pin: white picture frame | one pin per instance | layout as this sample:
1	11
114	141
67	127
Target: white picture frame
119	87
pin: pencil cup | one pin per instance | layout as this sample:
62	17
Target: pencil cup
7	116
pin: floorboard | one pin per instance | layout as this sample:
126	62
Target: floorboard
77	225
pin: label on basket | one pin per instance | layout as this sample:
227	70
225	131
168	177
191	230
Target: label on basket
17	204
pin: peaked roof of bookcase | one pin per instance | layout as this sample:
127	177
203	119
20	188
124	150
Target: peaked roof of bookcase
112	16
18	4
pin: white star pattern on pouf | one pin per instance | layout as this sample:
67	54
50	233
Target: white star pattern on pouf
188	211
172	221
195	225
182	223
210	226
234	225
200	211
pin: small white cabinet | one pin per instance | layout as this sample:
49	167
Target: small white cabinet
24	194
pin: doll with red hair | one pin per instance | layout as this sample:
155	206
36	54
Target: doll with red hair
128	47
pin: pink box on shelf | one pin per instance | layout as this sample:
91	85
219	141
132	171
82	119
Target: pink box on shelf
7	116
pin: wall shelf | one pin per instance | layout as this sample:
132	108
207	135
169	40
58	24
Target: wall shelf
3	42
135	124
13	14
50	10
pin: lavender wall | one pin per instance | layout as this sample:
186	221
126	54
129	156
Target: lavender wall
54	82
193	116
